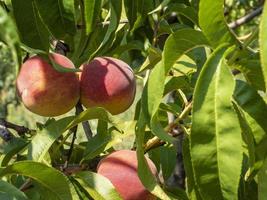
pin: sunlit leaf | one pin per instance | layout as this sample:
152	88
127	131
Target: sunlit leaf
48	177
215	139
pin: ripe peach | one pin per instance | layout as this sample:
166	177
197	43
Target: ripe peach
120	168
107	82
45	91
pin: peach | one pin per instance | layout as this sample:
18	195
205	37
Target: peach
45	91
120	168
109	83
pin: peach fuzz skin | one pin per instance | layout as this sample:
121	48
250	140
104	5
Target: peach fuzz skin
45	91
120	167
107	82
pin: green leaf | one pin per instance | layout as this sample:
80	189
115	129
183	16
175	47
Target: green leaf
176	45
47	136
114	20
247	134
213	24
161	6
9	36
144	173
31	29
254	111
215	139
94	113
91	11
48	177
177	193
174	83
168	160
9	192
97	186
58	16
191	186
252	71
263	43
182	9
61	68
136	12
154	56
179	43
253	105
132	45
14	146
43	140
262	183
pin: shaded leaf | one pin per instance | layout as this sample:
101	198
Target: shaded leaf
58	16
91	11
187	11
31	29
14	146
262	183
10	192
115	15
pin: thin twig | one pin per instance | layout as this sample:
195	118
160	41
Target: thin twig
26	185
155	141
74	131
21	130
246	18
86	126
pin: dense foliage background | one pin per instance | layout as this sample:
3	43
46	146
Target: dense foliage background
199	113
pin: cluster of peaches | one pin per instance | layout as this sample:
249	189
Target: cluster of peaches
104	82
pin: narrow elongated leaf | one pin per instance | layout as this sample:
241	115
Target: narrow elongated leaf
31	29
247	134
48	177
13	147
213	24
137	11
176	45
46	137
252	70
94	113
262	183
215	138
9	36
187	11
168	160
175	83
133	11
254	111
58	16
144	172
115	15
91	11
9	192
42	141
179	43
191	186
263	43
97	186
161	6
253	105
